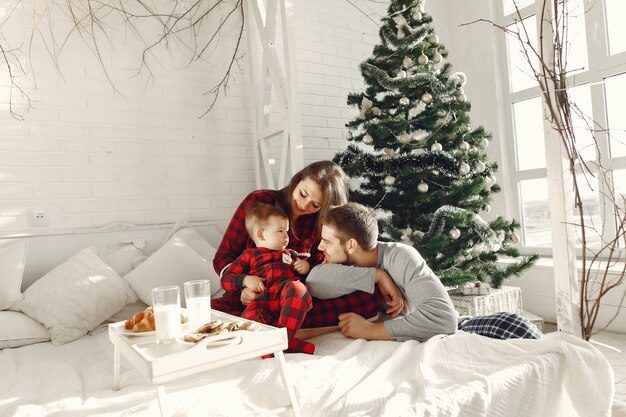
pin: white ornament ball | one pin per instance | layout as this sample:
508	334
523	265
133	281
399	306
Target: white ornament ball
417	15
389	180
405	138
514	238
464	169
487	208
401	74
422	59
427	98
368	139
407	62
483	143
464	146
436	147
455	233
479	167
490	181
437	58
404	101
433	39
422	187
375	111
349	136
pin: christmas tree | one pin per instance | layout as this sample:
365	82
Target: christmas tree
420	163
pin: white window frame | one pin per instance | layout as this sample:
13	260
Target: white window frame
601	66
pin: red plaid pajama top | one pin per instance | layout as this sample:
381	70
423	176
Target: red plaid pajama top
236	240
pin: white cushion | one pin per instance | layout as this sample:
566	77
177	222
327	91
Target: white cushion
127	311
198	243
76	296
120	255
12	257
172	264
17	329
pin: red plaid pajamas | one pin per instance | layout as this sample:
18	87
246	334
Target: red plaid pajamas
285	300
236	240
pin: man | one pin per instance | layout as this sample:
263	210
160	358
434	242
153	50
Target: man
352	256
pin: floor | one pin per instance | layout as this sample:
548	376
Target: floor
613	346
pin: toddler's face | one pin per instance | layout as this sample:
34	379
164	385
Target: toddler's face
275	233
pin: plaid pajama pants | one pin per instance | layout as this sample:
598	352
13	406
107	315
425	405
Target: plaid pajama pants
284	304
501	326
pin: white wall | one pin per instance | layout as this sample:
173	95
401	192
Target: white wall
332	37
88	155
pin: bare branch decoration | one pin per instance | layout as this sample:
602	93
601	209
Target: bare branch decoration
549	69
188	25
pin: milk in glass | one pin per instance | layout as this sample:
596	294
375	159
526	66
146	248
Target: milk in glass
167	323
199	311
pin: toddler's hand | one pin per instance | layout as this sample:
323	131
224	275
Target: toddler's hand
301	266
254	283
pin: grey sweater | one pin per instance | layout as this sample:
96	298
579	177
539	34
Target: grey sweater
430	310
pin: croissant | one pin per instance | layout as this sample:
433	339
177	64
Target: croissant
145	325
145	317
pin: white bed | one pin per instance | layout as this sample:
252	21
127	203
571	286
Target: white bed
457	375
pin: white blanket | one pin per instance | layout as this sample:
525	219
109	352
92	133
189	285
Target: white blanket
458	375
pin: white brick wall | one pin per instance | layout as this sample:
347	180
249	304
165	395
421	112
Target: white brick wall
332	39
89	155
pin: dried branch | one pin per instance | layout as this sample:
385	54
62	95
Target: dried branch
182	25
549	69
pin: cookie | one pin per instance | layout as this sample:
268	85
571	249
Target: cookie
234	326
249	325
211	327
194	337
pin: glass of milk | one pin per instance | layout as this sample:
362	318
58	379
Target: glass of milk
166	305
198	302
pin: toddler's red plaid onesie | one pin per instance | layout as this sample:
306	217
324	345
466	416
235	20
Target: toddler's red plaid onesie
285	300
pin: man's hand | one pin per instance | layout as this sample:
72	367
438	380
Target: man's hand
301	266
354	326
391	293
254	283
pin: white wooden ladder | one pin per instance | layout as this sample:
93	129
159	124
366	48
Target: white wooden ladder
269	75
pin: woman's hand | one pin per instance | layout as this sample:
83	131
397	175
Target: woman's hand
301	266
391	293
247	295
254	283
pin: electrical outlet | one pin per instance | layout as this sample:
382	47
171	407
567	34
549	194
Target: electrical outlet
38	218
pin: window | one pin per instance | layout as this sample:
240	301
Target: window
596	64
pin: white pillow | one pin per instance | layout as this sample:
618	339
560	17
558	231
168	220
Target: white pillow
127	311
76	296
120	255
172	264
17	329
198	243
11	268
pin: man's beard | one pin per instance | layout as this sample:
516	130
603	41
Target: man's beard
349	259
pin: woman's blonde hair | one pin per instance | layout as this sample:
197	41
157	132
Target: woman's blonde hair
331	179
